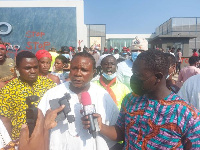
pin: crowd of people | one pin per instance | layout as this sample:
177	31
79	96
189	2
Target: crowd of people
135	101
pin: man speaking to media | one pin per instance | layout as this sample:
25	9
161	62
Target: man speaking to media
72	136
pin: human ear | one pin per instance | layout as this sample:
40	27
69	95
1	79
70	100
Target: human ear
159	76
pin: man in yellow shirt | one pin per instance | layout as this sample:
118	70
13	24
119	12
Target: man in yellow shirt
13	96
108	80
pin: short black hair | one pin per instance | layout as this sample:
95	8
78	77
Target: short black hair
63	59
193	60
170	58
155	61
194	50
65	49
116	51
24	54
107	57
87	55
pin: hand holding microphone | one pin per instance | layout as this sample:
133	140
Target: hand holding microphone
89	114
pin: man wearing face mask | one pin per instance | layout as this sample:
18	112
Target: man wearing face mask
108	80
124	71
157	118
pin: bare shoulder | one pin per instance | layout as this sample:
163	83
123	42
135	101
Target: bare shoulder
54	78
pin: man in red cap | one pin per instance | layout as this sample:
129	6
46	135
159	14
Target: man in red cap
7	67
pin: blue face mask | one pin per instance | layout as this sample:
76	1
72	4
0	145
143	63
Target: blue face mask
109	77
134	55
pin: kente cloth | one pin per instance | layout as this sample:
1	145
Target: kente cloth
169	123
107	87
72	136
43	53
7	70
120	90
13	100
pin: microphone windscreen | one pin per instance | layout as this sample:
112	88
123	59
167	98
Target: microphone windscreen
85	99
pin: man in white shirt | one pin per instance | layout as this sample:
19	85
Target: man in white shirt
72	136
124	70
190	91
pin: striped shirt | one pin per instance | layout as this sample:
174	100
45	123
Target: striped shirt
170	123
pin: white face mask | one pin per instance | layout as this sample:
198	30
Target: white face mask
109	77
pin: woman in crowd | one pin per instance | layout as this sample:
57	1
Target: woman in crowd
44	61
61	63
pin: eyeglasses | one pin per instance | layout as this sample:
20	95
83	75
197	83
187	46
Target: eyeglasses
137	76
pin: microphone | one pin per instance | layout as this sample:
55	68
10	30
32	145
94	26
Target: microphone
31	113
89	109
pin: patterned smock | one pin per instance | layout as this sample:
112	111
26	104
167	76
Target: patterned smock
13	100
169	123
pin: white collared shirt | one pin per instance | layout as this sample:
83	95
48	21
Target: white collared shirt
72	136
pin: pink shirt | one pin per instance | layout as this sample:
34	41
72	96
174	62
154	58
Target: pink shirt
187	72
195	54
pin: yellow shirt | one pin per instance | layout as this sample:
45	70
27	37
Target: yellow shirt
120	90
13	100
54	55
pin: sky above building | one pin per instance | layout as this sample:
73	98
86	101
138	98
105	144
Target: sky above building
137	16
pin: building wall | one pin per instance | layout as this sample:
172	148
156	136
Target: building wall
182	26
122	40
96	36
41	25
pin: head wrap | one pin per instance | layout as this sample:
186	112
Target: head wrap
43	53
3	46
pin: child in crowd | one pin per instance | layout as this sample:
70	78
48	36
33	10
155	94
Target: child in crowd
61	62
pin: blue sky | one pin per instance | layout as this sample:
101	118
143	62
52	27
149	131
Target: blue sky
137	16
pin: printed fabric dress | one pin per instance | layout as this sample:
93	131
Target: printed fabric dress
169	123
